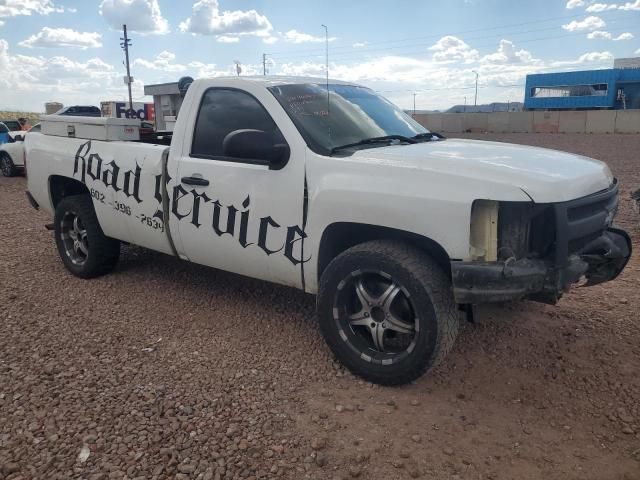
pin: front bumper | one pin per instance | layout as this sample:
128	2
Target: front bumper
584	246
485	282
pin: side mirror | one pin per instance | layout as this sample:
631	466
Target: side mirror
256	145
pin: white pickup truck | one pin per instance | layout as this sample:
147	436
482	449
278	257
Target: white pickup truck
334	190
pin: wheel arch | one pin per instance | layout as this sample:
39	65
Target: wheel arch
61	187
340	236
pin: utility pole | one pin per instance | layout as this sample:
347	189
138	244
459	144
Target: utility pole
264	64
125	44
465	104
475	102
414	105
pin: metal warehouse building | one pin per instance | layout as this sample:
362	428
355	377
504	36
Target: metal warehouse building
615	88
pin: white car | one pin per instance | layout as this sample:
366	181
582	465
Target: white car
12	153
339	193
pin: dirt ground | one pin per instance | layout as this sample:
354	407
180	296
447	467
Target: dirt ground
169	370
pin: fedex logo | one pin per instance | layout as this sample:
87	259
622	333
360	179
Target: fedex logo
142	111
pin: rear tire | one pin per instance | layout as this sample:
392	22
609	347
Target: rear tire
6	165
84	248
387	311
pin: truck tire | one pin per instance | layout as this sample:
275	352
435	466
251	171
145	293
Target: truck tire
84	248
387	311
6	165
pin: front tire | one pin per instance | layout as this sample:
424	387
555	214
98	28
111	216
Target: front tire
6	165
84	248
387	312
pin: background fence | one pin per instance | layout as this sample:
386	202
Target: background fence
585	121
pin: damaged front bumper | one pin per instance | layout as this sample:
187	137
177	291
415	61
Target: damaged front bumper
599	261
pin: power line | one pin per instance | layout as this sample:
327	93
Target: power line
503	26
378	51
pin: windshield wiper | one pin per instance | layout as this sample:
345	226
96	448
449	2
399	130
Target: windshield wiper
374	140
428	136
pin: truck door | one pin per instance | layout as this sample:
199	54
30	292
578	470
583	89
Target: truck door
232	213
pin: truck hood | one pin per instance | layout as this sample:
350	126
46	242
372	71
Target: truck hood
544	175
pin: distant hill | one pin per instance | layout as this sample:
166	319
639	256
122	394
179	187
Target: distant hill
488	108
31	116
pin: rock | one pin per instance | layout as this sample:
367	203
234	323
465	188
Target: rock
186	468
9	468
318	443
461	396
627	430
624	416
321	459
415	403
448	451
339	408
355	471
416	438
84	454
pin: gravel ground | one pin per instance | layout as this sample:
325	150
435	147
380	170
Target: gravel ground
169	370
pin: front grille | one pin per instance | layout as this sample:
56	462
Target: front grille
580	221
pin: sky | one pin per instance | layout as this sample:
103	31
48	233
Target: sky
69	50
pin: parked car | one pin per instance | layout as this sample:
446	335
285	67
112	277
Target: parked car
80	111
12	156
12	125
339	193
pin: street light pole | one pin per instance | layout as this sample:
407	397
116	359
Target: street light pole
475	102
414	105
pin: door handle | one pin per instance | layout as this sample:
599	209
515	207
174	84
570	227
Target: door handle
199	181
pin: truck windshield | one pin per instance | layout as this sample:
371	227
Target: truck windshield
350	115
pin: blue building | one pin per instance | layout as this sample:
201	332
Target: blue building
614	88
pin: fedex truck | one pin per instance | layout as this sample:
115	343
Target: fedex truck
115	109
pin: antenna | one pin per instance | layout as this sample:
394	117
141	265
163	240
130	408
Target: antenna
125	44
326	37
414	105
264	63
238	67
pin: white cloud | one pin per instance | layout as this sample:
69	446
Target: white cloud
360	44
637	52
450	49
624	36
599	34
270	40
589	57
13	8
141	16
28	81
631	6
63	37
207	19
507	54
590	23
1	23
163	61
294	36
575	3
601	7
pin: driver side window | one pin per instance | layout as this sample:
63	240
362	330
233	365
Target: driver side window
223	111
